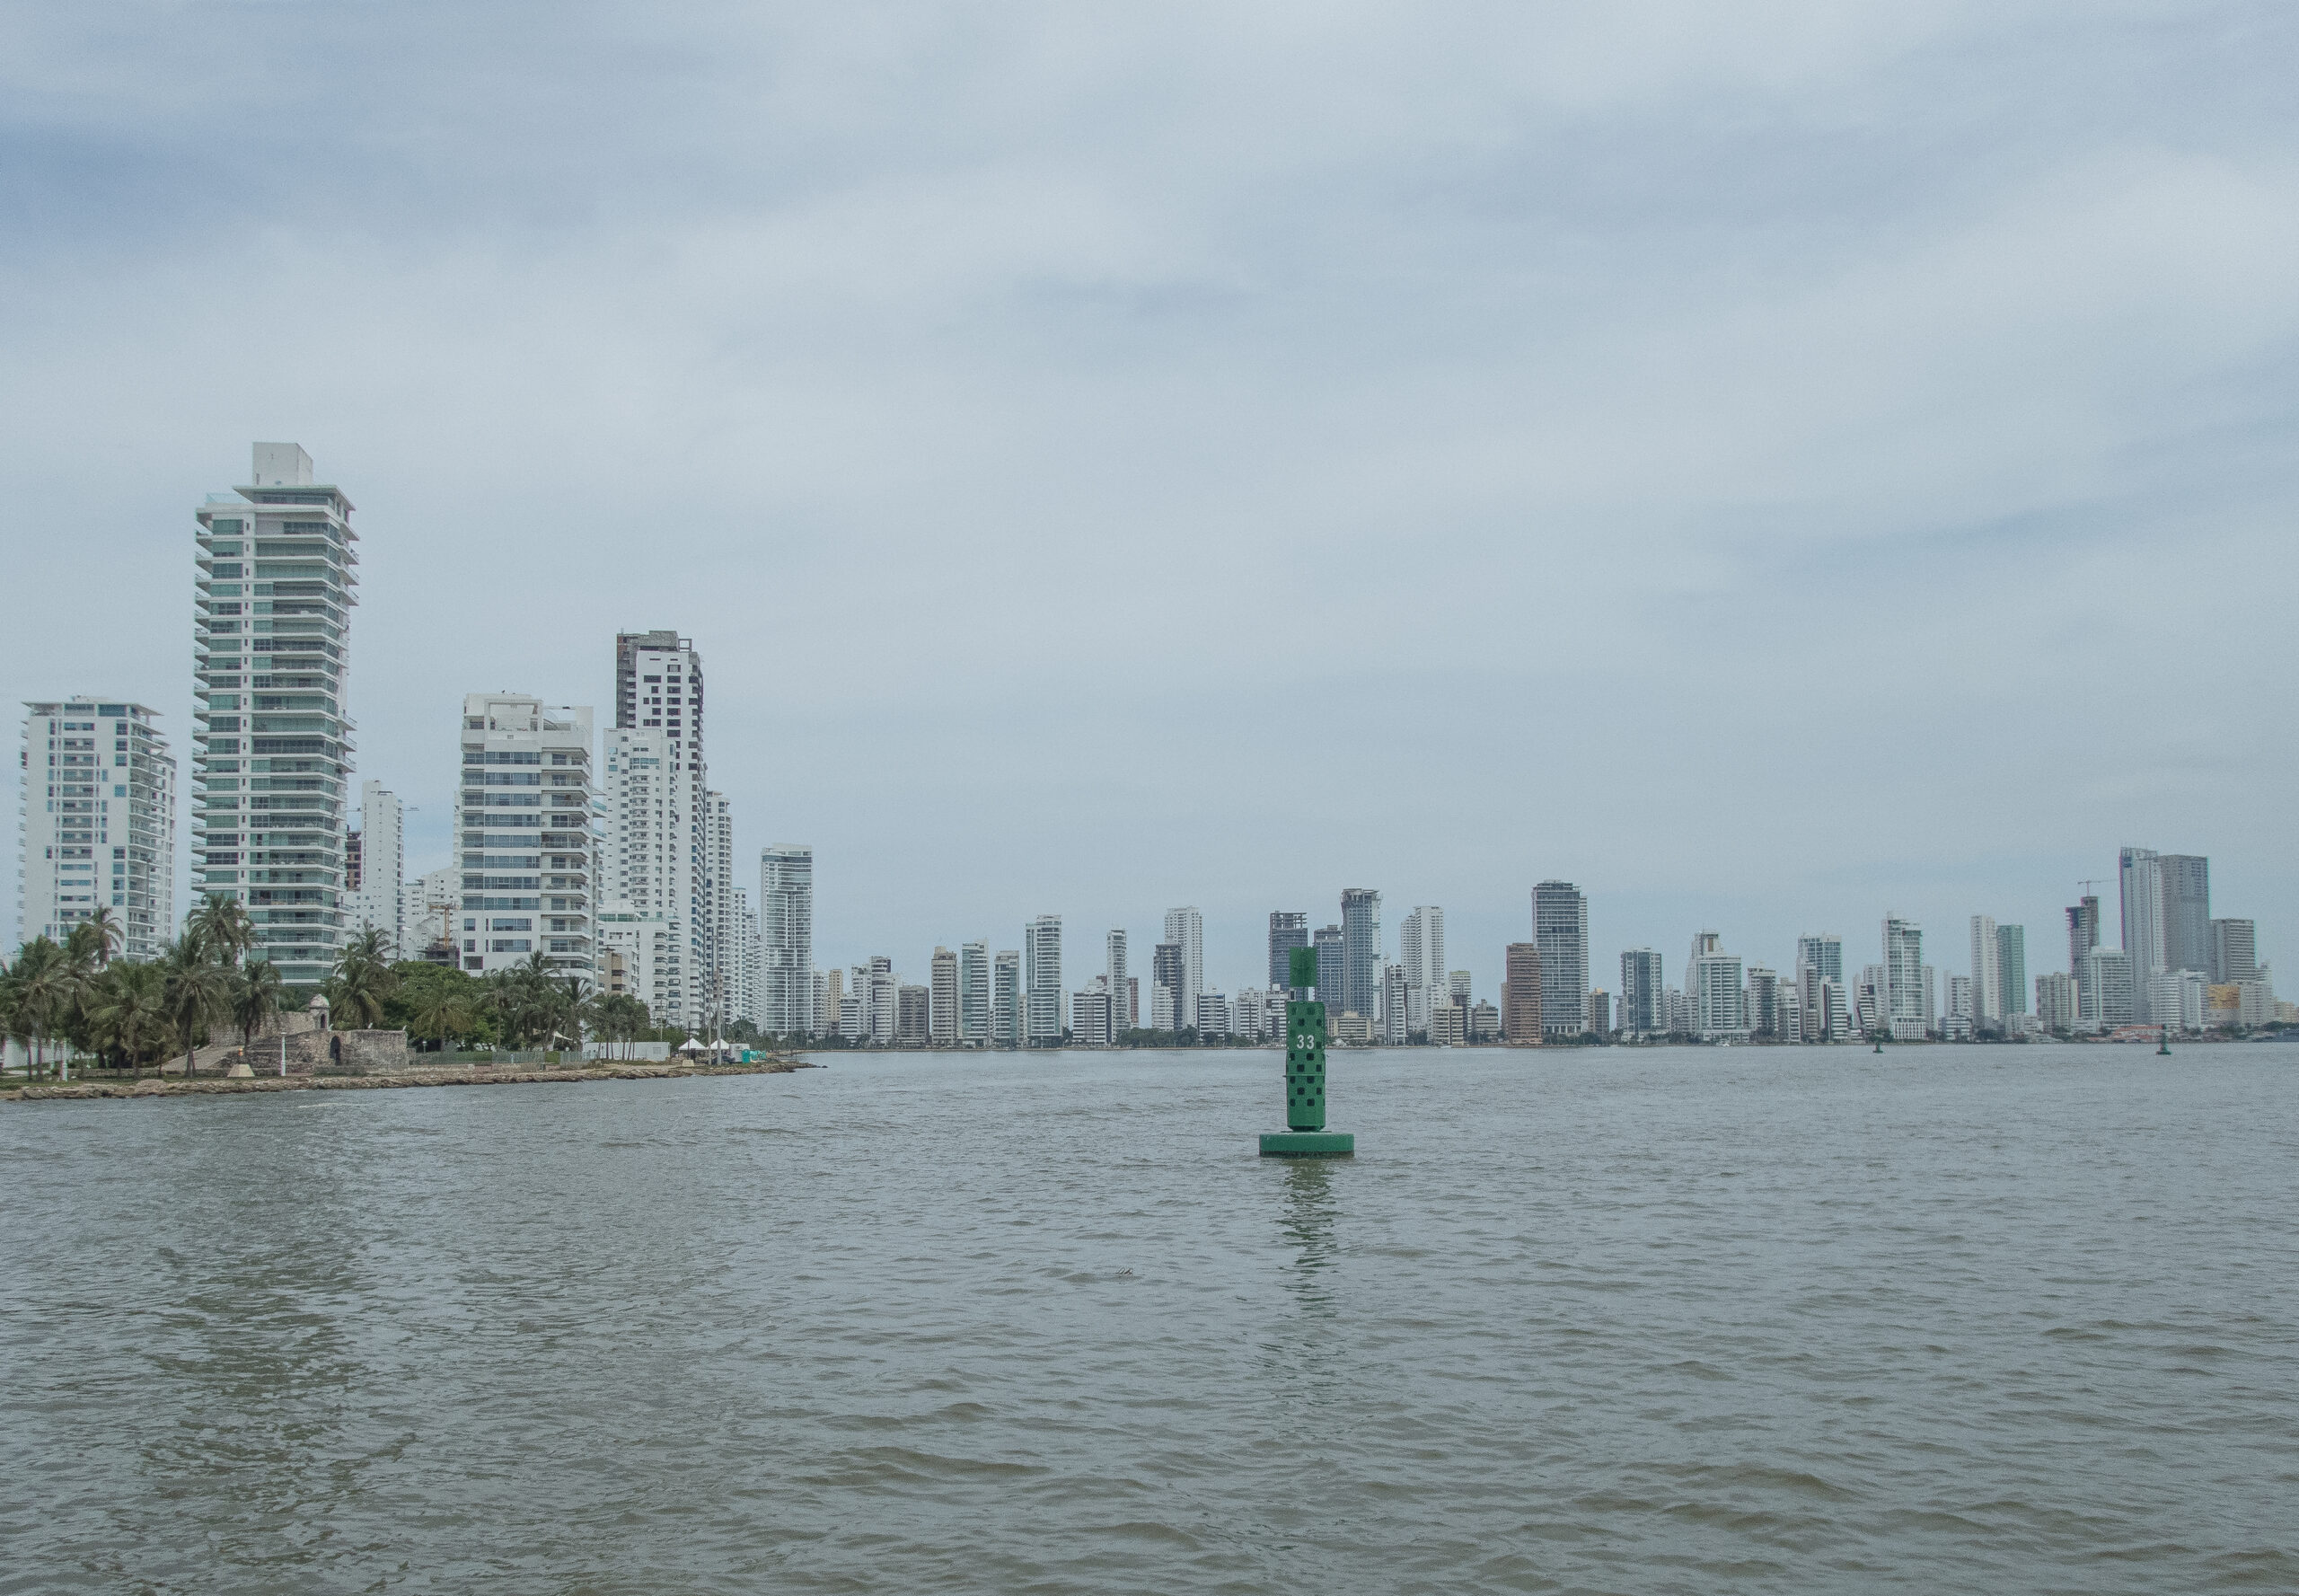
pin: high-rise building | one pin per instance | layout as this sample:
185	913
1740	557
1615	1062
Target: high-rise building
2139	872
1185	929
523	835
718	904
1327	942
2187	914
786	907
1394	1007
1822	954
1360	951
1041	951
1716	997
1986	977
1521	994
1600	1012
99	827
911	1016
1114	946
1166	988
1561	929
1093	1017
2082	930
746	1001
1644	1009
943	1026
652	855
974	991
1008	1002
2105	992
640	956
1906	1013
378	900
2234	951
2011	967
1214	1019
1287	929
1761	1003
1420	950
2056	1008
271	744
667	857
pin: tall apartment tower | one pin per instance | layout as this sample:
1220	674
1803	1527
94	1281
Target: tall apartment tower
2139	873
2012	966
1823	955
1360	951
2234	950
1328	941
786	910
1987	976
2187	912
523	835
1561	929
720	906
1043	996
271	743
1420	951
1165	988
1644	1008
1905	1011
667	853
99	828
380	902
1287	929
1009	1003
943	992
747	996
1185	929
1521	994
974	992
1115	947
2082	931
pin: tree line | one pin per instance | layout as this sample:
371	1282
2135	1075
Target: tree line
77	998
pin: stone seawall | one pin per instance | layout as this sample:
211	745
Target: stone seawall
148	1088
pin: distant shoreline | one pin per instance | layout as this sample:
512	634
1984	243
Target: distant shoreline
228	1086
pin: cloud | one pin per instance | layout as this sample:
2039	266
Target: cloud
1730	456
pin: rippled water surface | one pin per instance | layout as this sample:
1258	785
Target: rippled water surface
1969	1318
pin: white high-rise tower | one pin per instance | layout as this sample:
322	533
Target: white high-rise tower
786	907
523	835
99	823
380	902
661	850
271	743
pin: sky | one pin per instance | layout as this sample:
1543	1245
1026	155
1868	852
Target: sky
1769	464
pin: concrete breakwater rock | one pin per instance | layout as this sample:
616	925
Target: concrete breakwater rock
148	1088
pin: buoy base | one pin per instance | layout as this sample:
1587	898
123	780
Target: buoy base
1308	1144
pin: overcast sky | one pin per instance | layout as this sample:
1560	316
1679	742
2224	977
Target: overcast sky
1769	464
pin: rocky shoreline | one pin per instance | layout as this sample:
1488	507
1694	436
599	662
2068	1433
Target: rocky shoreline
48	1092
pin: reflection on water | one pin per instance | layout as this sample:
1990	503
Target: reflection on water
1305	1219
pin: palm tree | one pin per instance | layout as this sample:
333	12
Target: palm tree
41	980
103	929
127	1006
256	997
362	982
436	1012
196	991
223	927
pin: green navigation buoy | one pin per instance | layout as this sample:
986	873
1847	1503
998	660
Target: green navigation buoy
1305	1135
2164	1041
